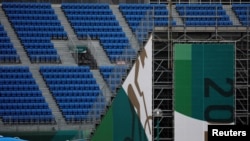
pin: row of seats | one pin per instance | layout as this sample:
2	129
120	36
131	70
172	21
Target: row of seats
121	52
35	39
241	6
32	17
94	23
17	81
203	15
202	12
141	6
24	106
35	5
42	51
8	53
70	85
67	75
115	46
242	11
93	6
27	112
88	11
75	99
73	69
4	39
13	93
29	19
208	19
45	58
23	22
113	75
15	87
77	93
40	28
208	23
74	111
111	40
158	12
99	35
204	6
91	17
53	35
10	59
3	34
15	10
21	99
71	81
76	105
8	69
144	16
59	87
98	30
13	75
6	45
29	119
73	118
38	45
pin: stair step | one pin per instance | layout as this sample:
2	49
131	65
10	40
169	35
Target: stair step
125	27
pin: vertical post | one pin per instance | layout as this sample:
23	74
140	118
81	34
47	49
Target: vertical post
158	129
157	113
169	33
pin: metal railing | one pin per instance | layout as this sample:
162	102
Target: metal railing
146	26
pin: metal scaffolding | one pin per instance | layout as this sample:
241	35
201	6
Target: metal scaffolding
163	74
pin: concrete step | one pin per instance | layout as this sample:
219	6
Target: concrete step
46	93
233	17
64	52
13	38
125	27
64	22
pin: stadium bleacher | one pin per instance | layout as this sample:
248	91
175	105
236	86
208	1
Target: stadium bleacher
134	13
98	22
75	90
8	53
113	75
242	12
21	101
203	15
36	24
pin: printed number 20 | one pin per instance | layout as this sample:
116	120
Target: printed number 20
210	83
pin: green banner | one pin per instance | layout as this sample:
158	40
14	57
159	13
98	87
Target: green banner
121	123
204	81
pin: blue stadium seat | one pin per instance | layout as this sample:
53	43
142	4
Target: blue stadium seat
35	24
242	12
70	85
203	15
21	101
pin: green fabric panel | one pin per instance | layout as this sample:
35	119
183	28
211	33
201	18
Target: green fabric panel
121	123
182	51
127	125
65	135
105	129
213	62
219	66
183	79
197	81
